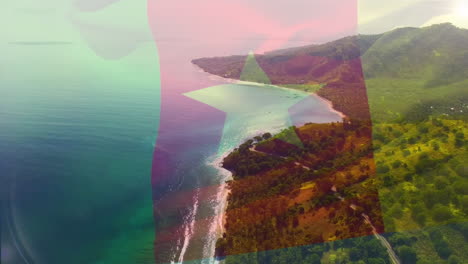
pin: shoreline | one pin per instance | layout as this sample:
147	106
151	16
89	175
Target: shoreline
217	226
235	81
331	106
224	191
325	100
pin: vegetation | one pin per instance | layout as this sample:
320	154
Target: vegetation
421	170
357	250
442	244
286	195
407	172
436	245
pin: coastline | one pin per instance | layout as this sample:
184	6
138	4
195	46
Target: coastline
223	191
236	81
331	106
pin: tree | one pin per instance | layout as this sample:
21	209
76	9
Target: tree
441	213
266	135
383	169
461	187
444	196
462	170
440	182
464	204
374	249
459	142
419	218
406	153
436	235
453	260
429	198
376	261
408	177
400	239
424	261
318	249
462	228
396	211
440	244
355	254
312	259
442	248
407	255
396	164
387	181
423	129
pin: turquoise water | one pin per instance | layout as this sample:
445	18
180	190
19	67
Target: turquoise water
79	113
76	145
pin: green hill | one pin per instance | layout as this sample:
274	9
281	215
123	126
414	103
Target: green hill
412	73
438	54
406	74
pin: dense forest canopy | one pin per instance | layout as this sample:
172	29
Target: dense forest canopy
398	159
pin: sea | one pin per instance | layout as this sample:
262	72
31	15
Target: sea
78	133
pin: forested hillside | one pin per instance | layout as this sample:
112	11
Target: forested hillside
284	195
400	72
399	159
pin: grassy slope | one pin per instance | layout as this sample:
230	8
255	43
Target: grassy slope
396	99
413	69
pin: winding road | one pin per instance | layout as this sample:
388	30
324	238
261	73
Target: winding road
391	253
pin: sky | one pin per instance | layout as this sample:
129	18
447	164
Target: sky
275	20
380	16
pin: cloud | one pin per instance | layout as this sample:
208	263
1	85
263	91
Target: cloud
453	18
387	16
